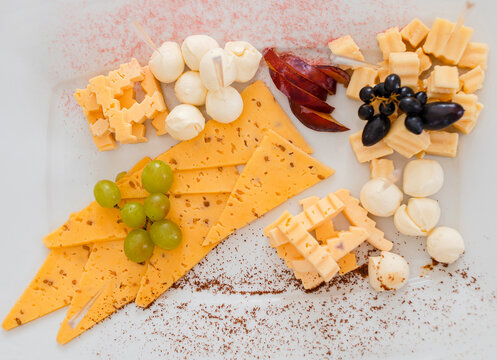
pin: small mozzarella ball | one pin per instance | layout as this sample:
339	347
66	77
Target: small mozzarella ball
194	47
224	105
189	89
167	64
388	271
445	244
185	122
247	59
404	224
423	178
424	212
380	197
208	73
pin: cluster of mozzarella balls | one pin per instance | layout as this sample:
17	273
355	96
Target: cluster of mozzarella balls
203	84
419	217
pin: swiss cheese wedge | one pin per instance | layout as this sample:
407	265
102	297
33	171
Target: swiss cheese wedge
277	171
52	288
109	282
233	143
194	214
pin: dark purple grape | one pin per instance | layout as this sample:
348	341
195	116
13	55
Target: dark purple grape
422	97
365	112
387	108
380	91
392	82
375	130
366	94
410	105
404	91
439	115
414	123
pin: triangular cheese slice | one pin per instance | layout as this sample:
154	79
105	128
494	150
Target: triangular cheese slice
194	214
277	171
52	288
233	144
109	282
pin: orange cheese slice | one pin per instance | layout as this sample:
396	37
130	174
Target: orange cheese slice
52	288
347	263
194	214
110	279
277	171
233	144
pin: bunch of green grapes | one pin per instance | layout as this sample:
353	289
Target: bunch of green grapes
148	219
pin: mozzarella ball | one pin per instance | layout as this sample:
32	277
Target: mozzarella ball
195	47
424	212
224	105
380	197
208	73
247	59
423	178
189	89
445	244
388	271
404	224
185	122
167	64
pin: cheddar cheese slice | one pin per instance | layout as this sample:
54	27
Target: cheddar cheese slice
347	263
277	171
52	288
346	241
109	281
233	143
194	214
325	229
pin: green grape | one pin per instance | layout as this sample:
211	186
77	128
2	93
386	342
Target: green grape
133	214
156	206
121	175
107	193
157	177
138	246
165	234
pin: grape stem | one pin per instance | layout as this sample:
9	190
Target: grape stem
146	223
117	207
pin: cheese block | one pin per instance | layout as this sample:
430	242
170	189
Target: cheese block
456	44
367	153
406	65
475	54
346	46
346	241
92	224
52	288
358	216
405	142
414	32
277	171
361	77
443	143
390	41
381	168
326	229
109	281
233	144
472	80
383	71
438	36
424	60
472	110
347	263
194	214
196	181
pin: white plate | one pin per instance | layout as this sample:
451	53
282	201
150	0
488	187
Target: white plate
251	306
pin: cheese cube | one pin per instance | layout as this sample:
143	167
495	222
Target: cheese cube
138	131
456	44
361	77
381	168
443	143
406	65
424	60
434	95
390	41
472	80
445	79
105	142
414	32
367	153
405	142
438	36
346	46
472	109
100	127
384	71
474	55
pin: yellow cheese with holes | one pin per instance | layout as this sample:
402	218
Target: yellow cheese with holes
390	41
472	80
233	143
346	241
405	142
325	229
194	214
443	143
346	46
347	263
367	153
414	32
475	54
362	76
381	168
276	171
52	288
109	281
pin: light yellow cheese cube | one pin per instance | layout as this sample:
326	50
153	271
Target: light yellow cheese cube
390	41
434	95
424	60
367	153
346	46
381	168
472	80
456	44
361	77
474	55
443	143
414	32
406	65
384	71
438	36
405	142
445	79
472	109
